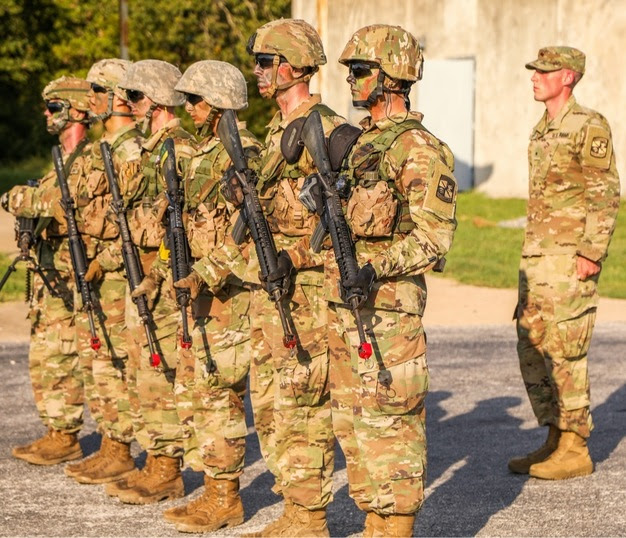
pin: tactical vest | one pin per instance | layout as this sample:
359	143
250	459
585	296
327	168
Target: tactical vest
364	167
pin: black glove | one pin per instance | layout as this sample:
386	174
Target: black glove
231	188
361	285
282	274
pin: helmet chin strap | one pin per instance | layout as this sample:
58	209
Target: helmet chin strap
206	128
274	87
147	118
374	94
109	111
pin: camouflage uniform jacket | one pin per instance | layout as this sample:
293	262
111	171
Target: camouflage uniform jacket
209	217
43	202
401	211
279	186
574	185
93	199
145	193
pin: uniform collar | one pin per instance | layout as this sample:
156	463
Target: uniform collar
161	134
112	137
279	123
389	121
209	142
545	124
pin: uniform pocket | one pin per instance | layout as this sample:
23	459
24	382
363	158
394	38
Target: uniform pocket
303	383
372	211
575	334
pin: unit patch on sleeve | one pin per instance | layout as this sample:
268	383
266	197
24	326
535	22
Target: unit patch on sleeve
598	150
445	189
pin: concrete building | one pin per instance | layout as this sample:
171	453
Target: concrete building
476	94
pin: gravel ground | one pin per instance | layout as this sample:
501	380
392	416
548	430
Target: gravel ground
478	417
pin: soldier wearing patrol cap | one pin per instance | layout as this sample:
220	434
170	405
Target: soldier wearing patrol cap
400	197
52	358
572	207
149	86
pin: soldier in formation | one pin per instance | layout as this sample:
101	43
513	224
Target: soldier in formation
174	380
572	209
53	360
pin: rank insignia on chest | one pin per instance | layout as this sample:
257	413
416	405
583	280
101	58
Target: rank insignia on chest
599	147
445	189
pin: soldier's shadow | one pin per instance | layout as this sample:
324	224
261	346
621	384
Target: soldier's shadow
610	419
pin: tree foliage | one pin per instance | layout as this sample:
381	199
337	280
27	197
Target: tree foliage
44	39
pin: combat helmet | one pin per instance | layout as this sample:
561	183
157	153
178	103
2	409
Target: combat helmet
72	93
156	79
393	49
109	73
220	84
292	39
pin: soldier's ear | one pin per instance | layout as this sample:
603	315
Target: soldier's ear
569	77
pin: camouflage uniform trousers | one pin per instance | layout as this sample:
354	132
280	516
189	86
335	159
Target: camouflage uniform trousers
156	425
556	314
53	360
290	396
104	371
211	383
378	407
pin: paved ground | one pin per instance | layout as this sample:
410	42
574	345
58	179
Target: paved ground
478	418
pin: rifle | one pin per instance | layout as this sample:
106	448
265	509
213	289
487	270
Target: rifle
134	272
25	239
77	248
320	195
179	246
253	217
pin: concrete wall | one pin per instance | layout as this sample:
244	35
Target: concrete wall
502	35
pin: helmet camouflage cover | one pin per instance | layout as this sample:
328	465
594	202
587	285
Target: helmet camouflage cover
395	50
109	73
73	90
294	39
220	84
156	79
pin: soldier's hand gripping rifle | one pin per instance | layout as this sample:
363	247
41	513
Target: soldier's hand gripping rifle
77	248
179	246
252	215
321	196
25	239
130	255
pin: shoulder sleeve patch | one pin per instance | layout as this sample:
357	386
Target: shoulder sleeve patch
441	190
598	148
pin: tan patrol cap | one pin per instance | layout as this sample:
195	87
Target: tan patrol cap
555	58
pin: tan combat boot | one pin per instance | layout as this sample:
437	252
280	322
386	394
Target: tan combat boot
275	526
221	508
522	465
570	459
20	451
114	463
73	469
113	489
177	513
55	447
163	481
374	525
399	526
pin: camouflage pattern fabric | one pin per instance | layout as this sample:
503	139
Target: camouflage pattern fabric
572	209
289	393
378	407
378	404
53	360
555	58
211	379
156	424
104	371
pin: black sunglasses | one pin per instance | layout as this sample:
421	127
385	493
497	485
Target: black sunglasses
96	88
54	106
360	69
134	96
193	99
265	61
